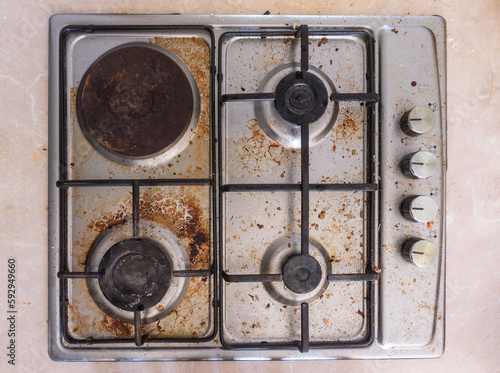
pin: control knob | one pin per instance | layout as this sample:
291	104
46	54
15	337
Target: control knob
421	209
418	121
420	252
419	165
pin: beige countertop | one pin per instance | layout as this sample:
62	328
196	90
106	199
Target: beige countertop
473	201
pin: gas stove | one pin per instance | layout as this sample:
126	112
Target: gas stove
246	187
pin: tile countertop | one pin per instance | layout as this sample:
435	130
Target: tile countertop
473	203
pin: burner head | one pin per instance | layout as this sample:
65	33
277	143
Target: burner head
302	274
135	274
135	102
301	98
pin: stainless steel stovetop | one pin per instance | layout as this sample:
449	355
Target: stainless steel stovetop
246	187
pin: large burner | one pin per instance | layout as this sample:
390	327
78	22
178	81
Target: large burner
135	101
301	98
302	274
135	274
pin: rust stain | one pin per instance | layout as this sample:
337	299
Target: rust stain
195	53
177	209
323	40
347	128
109	220
183	215
98	224
190	318
335	259
259	152
92	322
120	328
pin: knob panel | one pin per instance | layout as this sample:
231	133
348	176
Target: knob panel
410	79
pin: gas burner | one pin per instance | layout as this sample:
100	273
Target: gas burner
135	274
283	256
137	102
300	98
302	274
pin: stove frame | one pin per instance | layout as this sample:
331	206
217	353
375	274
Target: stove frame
377	345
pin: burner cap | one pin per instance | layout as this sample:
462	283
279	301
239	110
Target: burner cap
301	98
135	102
302	274
135	274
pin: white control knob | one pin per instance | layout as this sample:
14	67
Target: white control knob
418	121
421	209
420	252
419	165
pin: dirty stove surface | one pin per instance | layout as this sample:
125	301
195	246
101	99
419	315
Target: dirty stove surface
241	187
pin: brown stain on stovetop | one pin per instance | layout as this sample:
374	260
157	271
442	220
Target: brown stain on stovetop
259	152
99	223
178	211
99	326
81	323
184	217
118	327
195	53
348	129
109	220
190	318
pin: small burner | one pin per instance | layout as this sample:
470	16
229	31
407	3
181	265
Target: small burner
302	274
135	102
135	274
301	98
278	256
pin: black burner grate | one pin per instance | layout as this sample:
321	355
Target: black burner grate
305	187
64	183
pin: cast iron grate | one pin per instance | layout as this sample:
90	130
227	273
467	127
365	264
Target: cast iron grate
305	187
64	274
